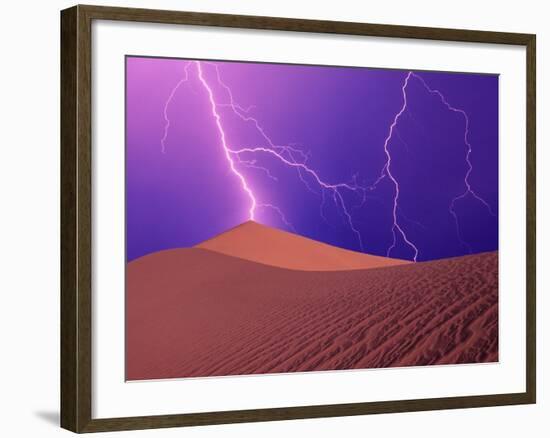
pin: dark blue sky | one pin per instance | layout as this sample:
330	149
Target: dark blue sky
337	120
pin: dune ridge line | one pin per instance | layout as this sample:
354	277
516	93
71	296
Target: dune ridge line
269	246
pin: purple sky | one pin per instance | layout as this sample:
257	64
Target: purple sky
337	120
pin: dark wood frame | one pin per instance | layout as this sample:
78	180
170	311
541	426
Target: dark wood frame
76	263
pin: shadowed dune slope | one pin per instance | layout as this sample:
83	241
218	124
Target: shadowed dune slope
194	312
262	244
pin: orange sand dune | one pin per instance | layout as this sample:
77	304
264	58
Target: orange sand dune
194	312
258	243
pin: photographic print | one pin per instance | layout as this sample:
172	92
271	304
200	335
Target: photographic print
293	218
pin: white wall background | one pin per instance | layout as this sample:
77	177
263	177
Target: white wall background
29	215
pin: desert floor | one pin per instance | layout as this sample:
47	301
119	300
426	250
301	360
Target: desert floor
198	312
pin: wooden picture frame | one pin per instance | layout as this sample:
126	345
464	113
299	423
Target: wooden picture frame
76	236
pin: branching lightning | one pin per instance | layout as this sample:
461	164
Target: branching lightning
280	213
297	159
227	151
334	188
386	171
285	154
168	101
468	191
397	229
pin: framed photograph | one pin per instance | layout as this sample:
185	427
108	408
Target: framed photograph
268	218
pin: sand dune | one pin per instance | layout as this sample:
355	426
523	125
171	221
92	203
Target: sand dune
194	312
262	244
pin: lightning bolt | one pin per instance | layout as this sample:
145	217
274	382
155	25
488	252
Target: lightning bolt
226	150
396	228
297	159
333	188
468	191
280	213
168	101
285	154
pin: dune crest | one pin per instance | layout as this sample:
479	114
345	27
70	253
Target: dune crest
269	246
